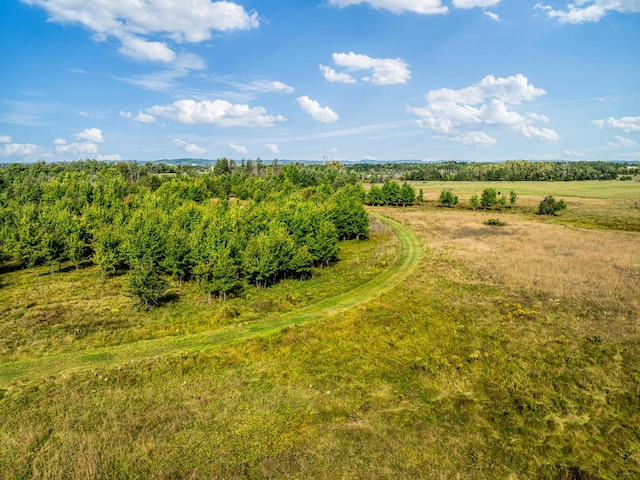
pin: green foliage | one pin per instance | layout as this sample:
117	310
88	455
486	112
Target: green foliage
551	206
474	201
495	222
375	196
407	194
146	283
391	193
447	198
513	196
489	198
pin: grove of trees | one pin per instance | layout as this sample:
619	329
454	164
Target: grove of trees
225	229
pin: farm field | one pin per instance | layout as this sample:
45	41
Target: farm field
501	352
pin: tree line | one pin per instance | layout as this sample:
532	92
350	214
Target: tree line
177	223
512	171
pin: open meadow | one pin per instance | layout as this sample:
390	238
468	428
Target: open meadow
490	352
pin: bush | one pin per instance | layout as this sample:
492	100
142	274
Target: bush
489	197
474	201
447	198
495	222
551	206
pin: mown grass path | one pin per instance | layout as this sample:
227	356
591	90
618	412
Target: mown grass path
408	255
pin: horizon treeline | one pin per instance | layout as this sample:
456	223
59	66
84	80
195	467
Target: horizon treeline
509	171
158	221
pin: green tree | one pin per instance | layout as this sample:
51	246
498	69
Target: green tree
551	206
323	243
375	196
146	283
407	194
447	198
489	198
391	192
513	196
474	201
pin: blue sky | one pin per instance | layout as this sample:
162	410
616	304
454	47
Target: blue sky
479	80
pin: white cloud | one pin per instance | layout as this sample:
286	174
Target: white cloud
140	49
474	3
321	114
140	117
426	7
189	147
18	149
626	124
459	114
273	148
239	149
77	148
622	142
114	157
5	139
384	71
474	139
332	76
133	22
265	86
493	16
91	135
216	112
582	11
59	141
144	118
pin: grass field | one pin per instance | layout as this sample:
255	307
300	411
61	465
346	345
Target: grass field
508	352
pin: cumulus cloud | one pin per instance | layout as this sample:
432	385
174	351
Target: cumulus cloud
140	117
332	76
459	114
216	112
113	157
132	23
582	11
90	135
77	148
238	149
622	142
384	71
5	139
273	148
626	124
10	149
474	3
426	7
189	147
313	108
83	144
493	16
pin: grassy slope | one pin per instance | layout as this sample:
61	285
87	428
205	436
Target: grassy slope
468	369
409	253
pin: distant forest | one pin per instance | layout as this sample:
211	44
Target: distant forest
510	171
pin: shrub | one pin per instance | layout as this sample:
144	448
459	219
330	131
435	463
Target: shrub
495	222
489	197
550	206
447	198
474	201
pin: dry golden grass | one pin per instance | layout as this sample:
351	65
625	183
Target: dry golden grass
594	271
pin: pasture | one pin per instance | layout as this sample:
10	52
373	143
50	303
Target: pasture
505	352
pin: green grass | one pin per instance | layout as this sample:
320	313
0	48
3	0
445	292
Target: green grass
448	371
32	367
607	189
